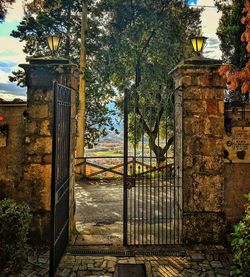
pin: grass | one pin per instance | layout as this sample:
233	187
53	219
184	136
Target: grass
104	154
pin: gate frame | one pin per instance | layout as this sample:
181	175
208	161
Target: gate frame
177	206
53	264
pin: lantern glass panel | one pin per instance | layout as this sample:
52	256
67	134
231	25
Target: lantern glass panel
198	44
53	42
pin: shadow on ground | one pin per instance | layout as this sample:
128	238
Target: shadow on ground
99	205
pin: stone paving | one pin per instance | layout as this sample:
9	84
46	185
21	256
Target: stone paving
37	263
204	262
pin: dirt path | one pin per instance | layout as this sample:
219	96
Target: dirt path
99	205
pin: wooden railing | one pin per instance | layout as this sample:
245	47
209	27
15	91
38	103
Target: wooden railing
135	166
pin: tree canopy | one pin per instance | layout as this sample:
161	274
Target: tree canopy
239	77
145	40
130	44
230	30
63	18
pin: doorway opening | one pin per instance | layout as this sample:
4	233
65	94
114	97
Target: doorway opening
99	195
99	217
131	193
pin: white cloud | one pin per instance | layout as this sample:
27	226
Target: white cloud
13	45
17	56
11	53
210	20
4	77
9	97
15	11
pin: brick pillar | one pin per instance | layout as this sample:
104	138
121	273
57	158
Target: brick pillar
199	148
40	74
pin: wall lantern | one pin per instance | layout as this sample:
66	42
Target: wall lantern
54	43
198	43
2	118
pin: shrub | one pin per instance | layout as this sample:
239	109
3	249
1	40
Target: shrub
14	226
241	244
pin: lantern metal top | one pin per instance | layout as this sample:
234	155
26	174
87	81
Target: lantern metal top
198	43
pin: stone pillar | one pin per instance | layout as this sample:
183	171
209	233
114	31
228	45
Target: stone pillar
40	75
199	148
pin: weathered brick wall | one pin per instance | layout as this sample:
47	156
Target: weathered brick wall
202	93
12	155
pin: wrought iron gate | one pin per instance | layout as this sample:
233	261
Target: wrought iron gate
152	191
60	174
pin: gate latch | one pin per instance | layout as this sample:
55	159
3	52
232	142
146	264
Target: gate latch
131	182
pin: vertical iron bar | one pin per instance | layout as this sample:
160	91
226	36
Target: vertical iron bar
139	194
158	187
53	183
154	205
166	178
150	197
143	176
178	204
131	207
134	188
137	182
69	153
162	216
174	231
125	179
174	170
170	206
146	204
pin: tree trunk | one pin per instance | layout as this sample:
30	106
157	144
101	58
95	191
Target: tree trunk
158	150
67	54
80	144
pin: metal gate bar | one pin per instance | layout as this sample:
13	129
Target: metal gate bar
152	197
60	174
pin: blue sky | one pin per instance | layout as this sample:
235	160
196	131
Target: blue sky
192	2
11	53
11	49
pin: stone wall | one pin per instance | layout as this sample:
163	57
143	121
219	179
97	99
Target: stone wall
40	75
12	155
25	170
237	183
202	93
237	173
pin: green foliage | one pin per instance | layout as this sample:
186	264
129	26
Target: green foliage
14	226
143	42
241	244
130	44
63	17
230	30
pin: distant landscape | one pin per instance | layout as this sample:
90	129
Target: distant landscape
112	146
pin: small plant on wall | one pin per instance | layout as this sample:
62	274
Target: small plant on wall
241	244
14	225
